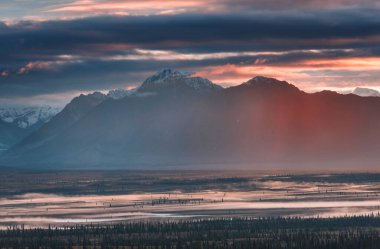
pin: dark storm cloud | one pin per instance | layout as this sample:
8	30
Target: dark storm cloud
58	56
176	31
52	9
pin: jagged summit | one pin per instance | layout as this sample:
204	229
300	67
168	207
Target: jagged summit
96	95
26	116
266	82
120	93
167	73
168	77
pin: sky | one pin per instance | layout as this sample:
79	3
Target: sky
52	50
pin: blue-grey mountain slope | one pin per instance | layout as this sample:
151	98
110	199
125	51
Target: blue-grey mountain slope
171	121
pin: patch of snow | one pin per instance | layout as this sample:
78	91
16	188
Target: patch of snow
366	92
120	93
98	95
27	116
170	77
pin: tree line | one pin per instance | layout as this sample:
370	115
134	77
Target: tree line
268	233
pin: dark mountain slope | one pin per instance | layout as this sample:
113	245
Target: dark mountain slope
262	121
10	134
72	112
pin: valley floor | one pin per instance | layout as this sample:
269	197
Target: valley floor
58	199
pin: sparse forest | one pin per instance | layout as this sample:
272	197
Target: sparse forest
269	233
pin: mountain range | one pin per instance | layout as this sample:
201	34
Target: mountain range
179	120
18	122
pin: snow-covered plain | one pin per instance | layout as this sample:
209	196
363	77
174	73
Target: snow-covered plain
253	195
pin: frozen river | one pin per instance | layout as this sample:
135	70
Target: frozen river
254	195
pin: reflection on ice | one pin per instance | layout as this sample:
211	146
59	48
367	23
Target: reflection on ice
260	197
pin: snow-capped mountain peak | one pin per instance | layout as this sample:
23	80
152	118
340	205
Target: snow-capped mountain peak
167	73
120	93
27	116
169	77
366	92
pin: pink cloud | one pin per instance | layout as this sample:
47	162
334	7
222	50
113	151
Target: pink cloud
4	73
310	75
39	65
167	7
49	65
132	7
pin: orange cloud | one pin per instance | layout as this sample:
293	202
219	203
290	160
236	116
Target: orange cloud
132	7
309	75
47	65
368	63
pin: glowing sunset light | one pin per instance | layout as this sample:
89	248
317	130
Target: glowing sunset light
165	7
190	124
92	45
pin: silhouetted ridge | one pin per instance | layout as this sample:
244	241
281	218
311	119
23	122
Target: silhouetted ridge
327	93
269	83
